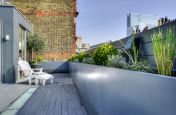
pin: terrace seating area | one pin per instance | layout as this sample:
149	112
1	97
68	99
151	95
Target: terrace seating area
82	89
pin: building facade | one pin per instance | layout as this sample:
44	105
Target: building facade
55	22
81	46
138	22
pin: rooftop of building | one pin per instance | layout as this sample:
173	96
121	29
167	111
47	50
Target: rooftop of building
118	43
142	14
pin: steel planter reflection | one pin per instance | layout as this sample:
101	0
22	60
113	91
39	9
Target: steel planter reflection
110	91
54	66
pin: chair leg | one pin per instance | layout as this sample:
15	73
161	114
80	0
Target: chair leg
40	81
36	81
30	82
51	81
44	82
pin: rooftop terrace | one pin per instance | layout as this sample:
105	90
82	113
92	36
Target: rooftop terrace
60	98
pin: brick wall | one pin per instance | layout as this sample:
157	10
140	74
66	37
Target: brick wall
54	21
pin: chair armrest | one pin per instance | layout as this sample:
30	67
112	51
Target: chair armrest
24	70
37	70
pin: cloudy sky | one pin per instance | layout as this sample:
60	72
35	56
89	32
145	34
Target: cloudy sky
104	20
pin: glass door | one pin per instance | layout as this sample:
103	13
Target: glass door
22	49
22	43
1	38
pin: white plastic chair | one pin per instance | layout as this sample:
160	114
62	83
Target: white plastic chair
35	73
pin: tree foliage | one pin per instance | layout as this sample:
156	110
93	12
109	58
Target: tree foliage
35	43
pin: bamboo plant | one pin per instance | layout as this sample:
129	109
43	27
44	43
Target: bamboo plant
135	52
164	51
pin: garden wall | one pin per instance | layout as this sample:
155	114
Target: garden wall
145	38
110	91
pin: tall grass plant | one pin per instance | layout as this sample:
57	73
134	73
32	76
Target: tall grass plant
164	51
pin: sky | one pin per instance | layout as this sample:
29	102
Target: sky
104	20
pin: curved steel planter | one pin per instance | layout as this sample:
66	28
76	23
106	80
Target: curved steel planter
55	66
110	91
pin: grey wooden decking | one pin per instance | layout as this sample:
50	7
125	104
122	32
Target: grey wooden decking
9	93
60	98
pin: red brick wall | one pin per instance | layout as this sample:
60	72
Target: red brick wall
54	21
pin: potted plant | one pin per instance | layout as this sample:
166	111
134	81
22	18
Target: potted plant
36	63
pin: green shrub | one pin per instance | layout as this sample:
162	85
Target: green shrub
75	60
73	57
117	61
100	55
88	60
78	57
33	62
39	58
142	66
82	55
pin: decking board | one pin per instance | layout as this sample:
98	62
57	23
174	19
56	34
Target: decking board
60	98
9	93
